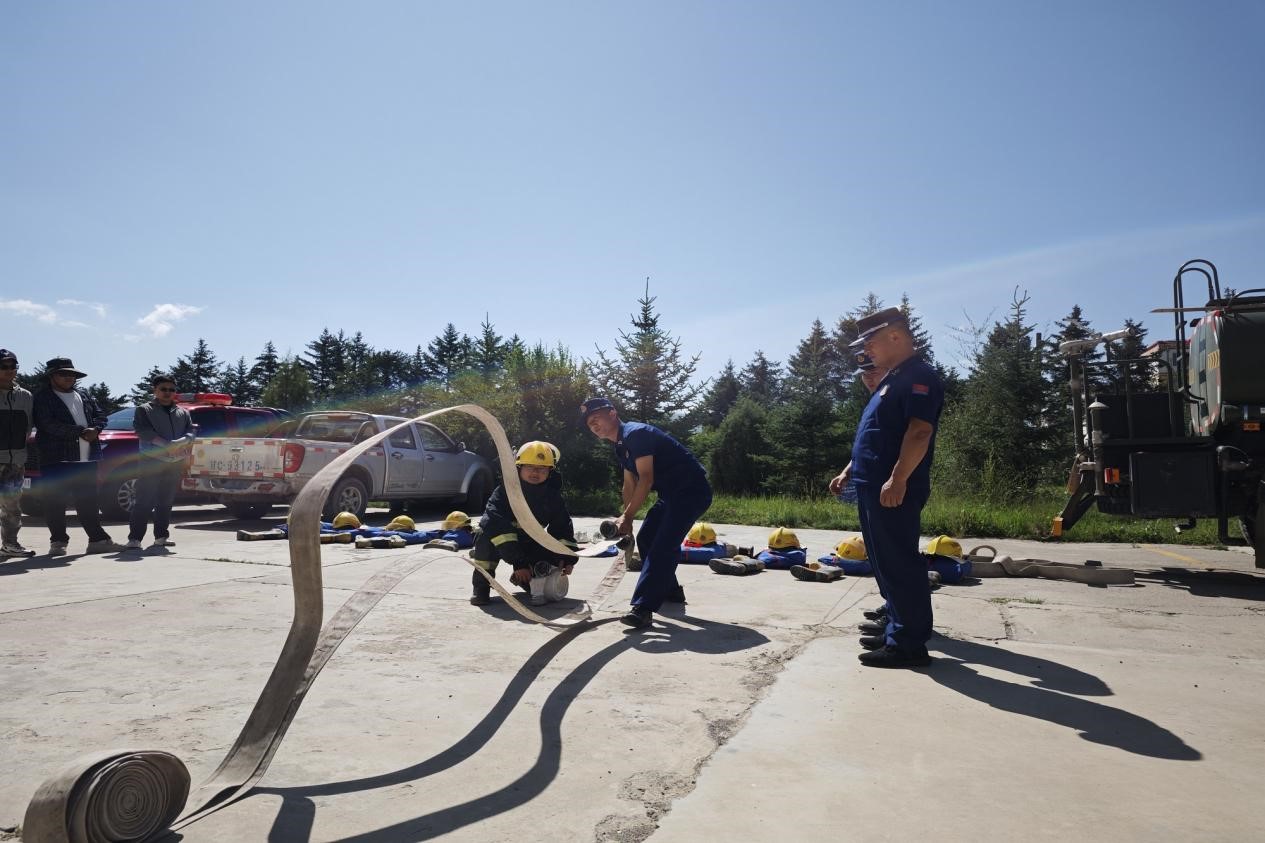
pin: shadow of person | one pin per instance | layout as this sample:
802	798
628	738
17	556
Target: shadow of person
1049	700
552	610
295	818
20	565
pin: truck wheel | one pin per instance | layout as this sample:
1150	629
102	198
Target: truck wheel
248	511
476	495
118	496
348	495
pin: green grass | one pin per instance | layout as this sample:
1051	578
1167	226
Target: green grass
959	517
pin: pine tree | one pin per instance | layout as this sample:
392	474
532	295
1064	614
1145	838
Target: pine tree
736	463
998	437
721	396
108	403
1139	377
489	349
265	368
447	355
199	371
236	380
144	388
761	380
291	388
325	361
649	381
807	449
922	338
845	363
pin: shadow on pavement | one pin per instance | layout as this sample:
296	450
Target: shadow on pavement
295	819
1240	584
1049	700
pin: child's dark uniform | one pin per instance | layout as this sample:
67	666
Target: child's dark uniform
501	539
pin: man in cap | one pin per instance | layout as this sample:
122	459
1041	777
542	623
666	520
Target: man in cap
68	423
652	460
15	427
891	469
164	431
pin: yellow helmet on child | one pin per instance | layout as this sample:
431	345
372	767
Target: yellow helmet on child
852	548
782	539
456	520
945	546
343	520
701	533
537	453
402	523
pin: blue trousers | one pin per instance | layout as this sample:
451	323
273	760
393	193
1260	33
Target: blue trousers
659	543
891	539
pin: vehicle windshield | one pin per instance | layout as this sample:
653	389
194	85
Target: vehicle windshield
330	429
120	419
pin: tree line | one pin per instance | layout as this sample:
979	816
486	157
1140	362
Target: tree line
766	427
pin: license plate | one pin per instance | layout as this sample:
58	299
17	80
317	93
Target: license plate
234	464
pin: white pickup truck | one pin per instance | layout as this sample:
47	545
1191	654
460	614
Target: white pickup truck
417	462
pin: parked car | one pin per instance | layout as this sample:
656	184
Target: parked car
213	414
418	462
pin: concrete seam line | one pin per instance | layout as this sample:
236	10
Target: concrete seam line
70	807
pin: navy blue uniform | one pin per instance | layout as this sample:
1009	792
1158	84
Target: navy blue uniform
684	495
912	390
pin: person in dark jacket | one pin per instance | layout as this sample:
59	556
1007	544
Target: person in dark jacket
15	426
542	571
68	426
164	432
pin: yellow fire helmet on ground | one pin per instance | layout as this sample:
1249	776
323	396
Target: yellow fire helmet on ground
537	453
853	547
945	546
343	520
402	523
456	520
701	533
782	539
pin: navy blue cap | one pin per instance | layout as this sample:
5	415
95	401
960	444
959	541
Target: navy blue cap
594	405
5	354
864	363
870	325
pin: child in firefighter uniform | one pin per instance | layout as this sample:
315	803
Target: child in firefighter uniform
542	572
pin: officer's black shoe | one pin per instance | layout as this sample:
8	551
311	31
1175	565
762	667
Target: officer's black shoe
676	595
876	614
637	616
873	642
873	627
892	657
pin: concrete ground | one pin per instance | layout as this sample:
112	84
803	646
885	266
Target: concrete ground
1053	710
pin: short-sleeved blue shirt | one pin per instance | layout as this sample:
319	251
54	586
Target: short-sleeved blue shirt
676	470
912	390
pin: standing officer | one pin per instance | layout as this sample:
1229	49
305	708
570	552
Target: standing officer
165	433
652	461
891	469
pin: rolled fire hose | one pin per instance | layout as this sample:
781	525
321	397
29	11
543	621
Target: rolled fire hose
137	795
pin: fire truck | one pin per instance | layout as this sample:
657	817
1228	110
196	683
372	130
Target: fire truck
1189	445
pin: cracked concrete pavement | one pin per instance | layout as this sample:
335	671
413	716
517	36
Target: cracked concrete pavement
1052	709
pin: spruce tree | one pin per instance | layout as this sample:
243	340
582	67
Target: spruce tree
489	349
447	355
721	396
649	380
291	388
236	380
199	371
108	403
144	388
1139	377
325	361
761	380
740	454
265	367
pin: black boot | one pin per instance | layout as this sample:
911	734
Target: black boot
482	595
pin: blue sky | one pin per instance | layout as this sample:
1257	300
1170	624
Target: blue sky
246	172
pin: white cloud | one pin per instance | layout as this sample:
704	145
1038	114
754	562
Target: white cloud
73	324
96	307
26	307
163	317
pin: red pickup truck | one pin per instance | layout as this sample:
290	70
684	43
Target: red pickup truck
213	414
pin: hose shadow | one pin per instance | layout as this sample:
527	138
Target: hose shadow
1050	699
296	816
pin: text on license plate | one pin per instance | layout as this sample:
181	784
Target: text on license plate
238	464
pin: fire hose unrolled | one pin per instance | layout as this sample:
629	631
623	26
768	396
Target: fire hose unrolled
137	795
